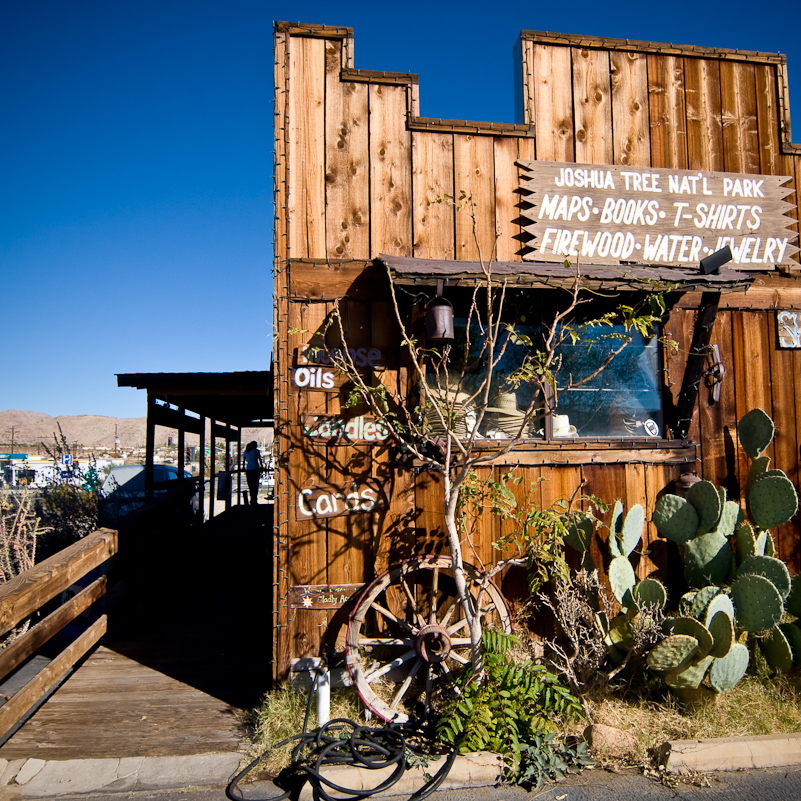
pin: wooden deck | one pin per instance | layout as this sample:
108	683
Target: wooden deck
113	706
185	656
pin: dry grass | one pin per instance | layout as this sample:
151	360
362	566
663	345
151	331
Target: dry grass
754	706
281	715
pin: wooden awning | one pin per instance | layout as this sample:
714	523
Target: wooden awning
631	277
242	399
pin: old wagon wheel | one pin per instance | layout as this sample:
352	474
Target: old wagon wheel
408	635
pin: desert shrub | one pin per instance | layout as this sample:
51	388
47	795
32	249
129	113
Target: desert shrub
19	533
68	512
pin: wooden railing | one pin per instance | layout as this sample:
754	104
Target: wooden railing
25	594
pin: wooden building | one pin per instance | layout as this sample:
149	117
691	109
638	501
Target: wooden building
704	134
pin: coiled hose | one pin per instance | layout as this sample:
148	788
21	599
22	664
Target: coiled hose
363	747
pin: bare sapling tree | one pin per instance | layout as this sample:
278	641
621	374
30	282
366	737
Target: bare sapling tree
442	417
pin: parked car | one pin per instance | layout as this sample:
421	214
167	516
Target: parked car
123	490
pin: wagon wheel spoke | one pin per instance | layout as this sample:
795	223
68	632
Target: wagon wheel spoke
448	611
429	689
432	615
379	672
412	603
386	641
457	626
389	616
418	663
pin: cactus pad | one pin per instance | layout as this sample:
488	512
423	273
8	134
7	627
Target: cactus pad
691	627
650	592
720	603
631	532
774	570
793	601
706	501
707	559
620	634
672	653
726	672
757	469
615	524
729	518
755	430
622	579
721	627
793	636
772	501
777	651
745	542
757	602
689	676
702	600
675	518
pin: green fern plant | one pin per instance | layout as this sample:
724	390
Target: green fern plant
505	707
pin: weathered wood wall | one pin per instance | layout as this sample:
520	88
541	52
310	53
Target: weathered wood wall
358	173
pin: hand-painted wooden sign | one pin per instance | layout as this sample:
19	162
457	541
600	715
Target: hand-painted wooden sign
611	214
322	501
343	430
789	333
361	357
316	367
311	378
321	596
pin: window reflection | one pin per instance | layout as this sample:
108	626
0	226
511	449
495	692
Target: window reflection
622	401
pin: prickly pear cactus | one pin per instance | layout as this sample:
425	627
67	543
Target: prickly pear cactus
675	518
726	672
755	430
741	589
705	499
772	500
757	603
650	592
673	652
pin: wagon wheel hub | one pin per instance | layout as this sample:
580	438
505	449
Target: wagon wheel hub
432	643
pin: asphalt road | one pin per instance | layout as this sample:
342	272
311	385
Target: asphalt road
777	784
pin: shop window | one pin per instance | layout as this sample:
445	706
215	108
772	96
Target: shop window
623	400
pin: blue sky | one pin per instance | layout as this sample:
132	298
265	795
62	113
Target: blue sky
136	157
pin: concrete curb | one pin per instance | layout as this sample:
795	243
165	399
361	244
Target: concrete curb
469	770
730	753
37	778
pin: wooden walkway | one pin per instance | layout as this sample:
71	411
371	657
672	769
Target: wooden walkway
183	660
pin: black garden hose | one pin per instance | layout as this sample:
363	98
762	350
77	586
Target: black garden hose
363	747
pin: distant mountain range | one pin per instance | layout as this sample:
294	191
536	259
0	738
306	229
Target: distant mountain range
27	430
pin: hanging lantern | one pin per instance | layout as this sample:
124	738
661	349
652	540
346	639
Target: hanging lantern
439	319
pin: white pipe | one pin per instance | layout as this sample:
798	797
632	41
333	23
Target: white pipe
323	696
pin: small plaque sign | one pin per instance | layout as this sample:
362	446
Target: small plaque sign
321	596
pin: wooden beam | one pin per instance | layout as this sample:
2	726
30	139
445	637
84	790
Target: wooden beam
175	418
39	685
25	646
696	362
555	453
24	594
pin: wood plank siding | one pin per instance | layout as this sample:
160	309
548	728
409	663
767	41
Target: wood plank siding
359	173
